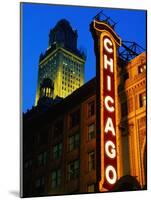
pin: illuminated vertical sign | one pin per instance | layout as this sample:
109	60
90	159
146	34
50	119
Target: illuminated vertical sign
107	42
108	112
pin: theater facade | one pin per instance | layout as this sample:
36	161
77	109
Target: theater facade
93	140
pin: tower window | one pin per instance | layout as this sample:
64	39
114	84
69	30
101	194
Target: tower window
47	92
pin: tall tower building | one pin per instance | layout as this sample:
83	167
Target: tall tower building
62	64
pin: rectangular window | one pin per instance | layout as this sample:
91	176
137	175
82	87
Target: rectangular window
91	161
73	142
40	184
42	158
141	68
74	118
91	188
142	99
91	109
73	170
91	131
57	151
56	178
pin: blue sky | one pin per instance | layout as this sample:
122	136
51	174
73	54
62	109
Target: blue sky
38	19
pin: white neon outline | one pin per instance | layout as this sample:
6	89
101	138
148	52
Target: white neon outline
111	154
108	128
108	62
107	171
108	83
107	40
106	100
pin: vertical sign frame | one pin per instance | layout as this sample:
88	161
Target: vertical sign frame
106	44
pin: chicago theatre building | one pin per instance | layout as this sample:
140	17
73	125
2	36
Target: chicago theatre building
85	138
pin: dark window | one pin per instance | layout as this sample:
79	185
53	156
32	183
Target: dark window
42	158
91	188
74	118
91	161
48	92
56	178
91	109
73	142
73	170
57	151
58	128
141	68
142	99
91	131
39	184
